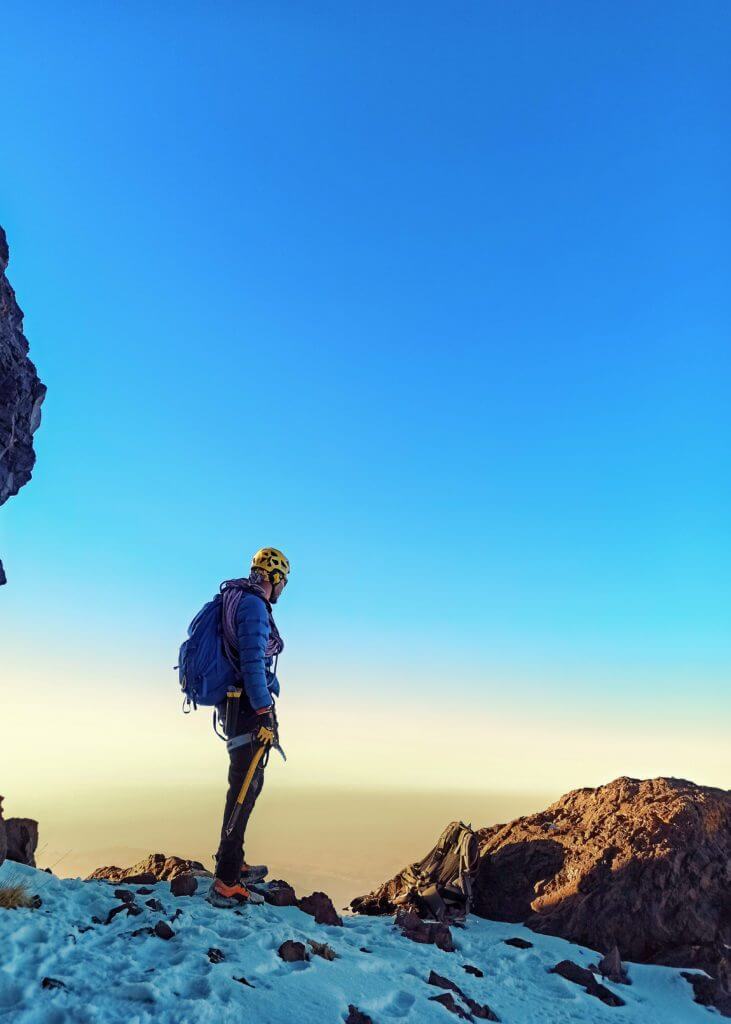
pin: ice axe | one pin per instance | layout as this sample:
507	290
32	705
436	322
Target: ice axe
266	738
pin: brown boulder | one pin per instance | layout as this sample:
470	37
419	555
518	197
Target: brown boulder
641	865
321	907
3	837
280	894
581	976
291	951
21	836
155	868
610	966
183	885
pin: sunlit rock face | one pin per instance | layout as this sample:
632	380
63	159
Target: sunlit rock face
21	393
643	864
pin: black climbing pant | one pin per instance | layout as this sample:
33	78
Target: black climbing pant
230	856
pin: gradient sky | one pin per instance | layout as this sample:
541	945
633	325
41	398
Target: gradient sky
435	299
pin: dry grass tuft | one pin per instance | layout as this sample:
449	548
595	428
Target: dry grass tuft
14	896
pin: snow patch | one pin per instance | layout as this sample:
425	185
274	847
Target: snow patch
113	977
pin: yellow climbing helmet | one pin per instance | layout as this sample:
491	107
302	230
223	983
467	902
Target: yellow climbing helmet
273	563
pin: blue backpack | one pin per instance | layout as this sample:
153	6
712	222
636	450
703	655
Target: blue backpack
206	674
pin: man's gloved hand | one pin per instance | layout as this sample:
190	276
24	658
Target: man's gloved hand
268	719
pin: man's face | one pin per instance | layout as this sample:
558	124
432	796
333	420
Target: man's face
277	590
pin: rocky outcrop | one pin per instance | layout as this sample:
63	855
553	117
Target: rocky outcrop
21	393
155	868
3	835
714	990
21	836
18	839
643	865
320	906
279	893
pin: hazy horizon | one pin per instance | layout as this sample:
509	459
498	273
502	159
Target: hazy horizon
342	841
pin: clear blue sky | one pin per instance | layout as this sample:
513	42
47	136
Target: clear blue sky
433	297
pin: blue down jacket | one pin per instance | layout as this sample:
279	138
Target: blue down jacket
252	630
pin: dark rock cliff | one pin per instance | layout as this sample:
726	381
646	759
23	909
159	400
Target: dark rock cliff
21	393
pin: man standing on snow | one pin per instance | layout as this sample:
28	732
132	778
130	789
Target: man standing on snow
252	643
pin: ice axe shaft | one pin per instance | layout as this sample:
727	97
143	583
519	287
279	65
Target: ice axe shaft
266	738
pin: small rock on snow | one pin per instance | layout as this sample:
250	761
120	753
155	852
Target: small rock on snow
610	966
291	951
321	907
183	885
581	976
448	1000
355	1016
482	1012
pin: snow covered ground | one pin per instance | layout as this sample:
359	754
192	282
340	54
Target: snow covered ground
110	976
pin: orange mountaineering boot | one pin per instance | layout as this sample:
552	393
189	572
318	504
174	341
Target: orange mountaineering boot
223	895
